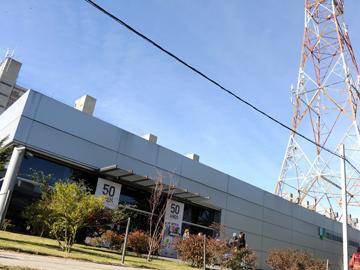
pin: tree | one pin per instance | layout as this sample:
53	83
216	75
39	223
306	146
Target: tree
69	206
103	219
157	203
291	259
37	213
63	209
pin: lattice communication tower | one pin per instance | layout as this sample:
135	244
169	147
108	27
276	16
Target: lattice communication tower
325	103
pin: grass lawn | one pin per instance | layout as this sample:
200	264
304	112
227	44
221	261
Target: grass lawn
4	267
45	246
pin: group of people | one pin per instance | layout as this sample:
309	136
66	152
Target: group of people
186	234
237	241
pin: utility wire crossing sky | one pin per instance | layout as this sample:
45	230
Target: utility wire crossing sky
215	82
253	47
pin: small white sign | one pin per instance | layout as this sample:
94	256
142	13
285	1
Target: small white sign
174	211
110	190
172	228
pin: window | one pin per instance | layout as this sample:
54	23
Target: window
135	197
58	171
201	215
26	192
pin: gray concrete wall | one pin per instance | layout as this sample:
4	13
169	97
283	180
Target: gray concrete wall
9	119
47	125
9	71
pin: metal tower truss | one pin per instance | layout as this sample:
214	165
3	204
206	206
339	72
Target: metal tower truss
325	104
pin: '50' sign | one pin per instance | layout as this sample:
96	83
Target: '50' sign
110	190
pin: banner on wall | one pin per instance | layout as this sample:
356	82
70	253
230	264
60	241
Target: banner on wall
172	228
110	190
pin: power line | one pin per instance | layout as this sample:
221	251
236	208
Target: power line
213	81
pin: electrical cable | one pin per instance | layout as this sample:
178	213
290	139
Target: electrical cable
213	81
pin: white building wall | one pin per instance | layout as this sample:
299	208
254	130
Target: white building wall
9	90
46	125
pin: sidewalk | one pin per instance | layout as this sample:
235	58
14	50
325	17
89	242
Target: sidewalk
53	263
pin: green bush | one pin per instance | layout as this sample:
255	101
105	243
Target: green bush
70	205
62	209
138	242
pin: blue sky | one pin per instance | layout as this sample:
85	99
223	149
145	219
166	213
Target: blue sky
68	49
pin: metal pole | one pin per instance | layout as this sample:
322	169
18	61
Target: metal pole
204	255
344	209
10	179
125	241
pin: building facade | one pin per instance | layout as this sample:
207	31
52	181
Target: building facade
58	139
9	90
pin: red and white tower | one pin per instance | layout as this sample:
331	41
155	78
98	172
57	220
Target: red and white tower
325	103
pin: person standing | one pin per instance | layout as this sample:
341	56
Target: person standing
354	263
241	242
186	234
233	241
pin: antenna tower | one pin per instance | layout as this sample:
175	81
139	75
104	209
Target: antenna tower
325	102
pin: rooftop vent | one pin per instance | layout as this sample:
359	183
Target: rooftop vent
193	156
150	137
9	70
86	104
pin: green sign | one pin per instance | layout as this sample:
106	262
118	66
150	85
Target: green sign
324	234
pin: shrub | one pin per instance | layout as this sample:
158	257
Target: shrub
191	251
242	259
114	239
290	259
138	242
62	210
37	214
6	224
217	251
70	206
109	239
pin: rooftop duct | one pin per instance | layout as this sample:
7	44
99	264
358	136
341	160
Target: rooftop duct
150	137
193	156
86	104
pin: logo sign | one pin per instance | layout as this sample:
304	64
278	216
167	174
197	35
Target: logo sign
110	190
326	234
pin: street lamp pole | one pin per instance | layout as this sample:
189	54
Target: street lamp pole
344	209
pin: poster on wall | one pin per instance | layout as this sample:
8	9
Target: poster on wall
110	190
172	228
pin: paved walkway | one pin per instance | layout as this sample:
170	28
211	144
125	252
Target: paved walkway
53	263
